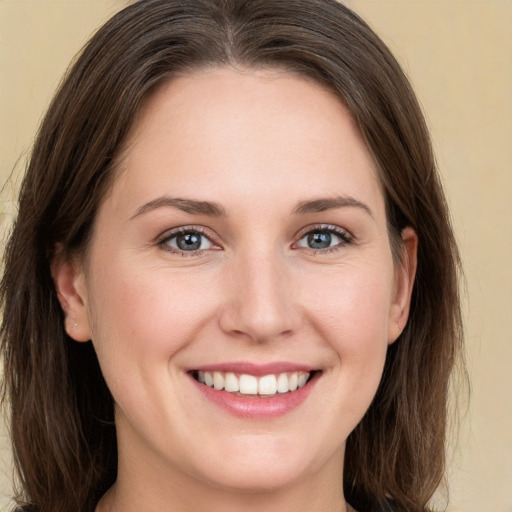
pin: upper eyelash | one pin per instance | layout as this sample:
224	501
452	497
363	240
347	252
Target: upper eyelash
163	239
347	238
176	231
342	233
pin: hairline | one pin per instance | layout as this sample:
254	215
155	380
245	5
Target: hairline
284	68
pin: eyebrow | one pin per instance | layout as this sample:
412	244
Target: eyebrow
186	205
215	210
330	203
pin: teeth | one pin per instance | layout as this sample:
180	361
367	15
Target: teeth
218	380
293	381
250	385
231	383
282	383
267	385
208	379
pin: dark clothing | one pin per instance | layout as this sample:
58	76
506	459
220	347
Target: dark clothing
387	508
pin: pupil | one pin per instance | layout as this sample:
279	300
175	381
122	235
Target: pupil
319	240
189	241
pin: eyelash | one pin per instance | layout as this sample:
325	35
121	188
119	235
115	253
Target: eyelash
346	239
345	236
193	230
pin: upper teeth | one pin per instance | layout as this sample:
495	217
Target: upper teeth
251	385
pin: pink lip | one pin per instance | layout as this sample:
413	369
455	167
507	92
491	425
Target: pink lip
251	407
255	369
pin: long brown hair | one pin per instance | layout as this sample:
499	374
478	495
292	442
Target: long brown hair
60	408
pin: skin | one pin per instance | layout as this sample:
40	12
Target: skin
257	143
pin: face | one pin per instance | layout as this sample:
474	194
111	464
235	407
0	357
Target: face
240	289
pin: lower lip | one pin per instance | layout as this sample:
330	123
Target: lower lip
252	407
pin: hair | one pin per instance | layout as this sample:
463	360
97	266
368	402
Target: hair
61	411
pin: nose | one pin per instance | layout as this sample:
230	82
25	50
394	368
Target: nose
260	304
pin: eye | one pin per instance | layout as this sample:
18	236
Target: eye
187	240
322	238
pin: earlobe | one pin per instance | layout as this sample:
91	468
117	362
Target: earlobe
404	283
68	278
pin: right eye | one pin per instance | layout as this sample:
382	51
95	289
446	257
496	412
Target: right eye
187	240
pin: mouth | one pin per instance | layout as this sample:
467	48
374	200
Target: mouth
245	384
255	392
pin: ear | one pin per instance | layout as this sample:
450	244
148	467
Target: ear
69	280
404	281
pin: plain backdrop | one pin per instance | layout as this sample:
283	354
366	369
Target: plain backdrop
458	54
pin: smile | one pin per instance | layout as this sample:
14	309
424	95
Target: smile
246	384
252	391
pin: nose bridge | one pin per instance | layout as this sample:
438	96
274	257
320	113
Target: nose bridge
260	303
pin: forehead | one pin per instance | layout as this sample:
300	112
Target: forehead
257	128
266	96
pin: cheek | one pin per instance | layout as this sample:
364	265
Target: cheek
352	301
350	309
141	319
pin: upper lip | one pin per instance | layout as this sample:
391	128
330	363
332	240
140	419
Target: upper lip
256	369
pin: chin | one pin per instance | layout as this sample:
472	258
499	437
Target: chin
267	466
255	479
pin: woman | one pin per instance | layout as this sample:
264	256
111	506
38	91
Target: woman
232	283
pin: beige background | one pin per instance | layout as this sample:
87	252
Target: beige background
458	54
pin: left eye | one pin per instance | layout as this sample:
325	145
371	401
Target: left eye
188	241
322	239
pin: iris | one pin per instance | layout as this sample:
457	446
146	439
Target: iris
319	240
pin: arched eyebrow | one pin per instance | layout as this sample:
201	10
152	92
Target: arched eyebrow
186	205
330	203
215	210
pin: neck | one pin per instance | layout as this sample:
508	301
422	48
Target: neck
171	492
114	501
